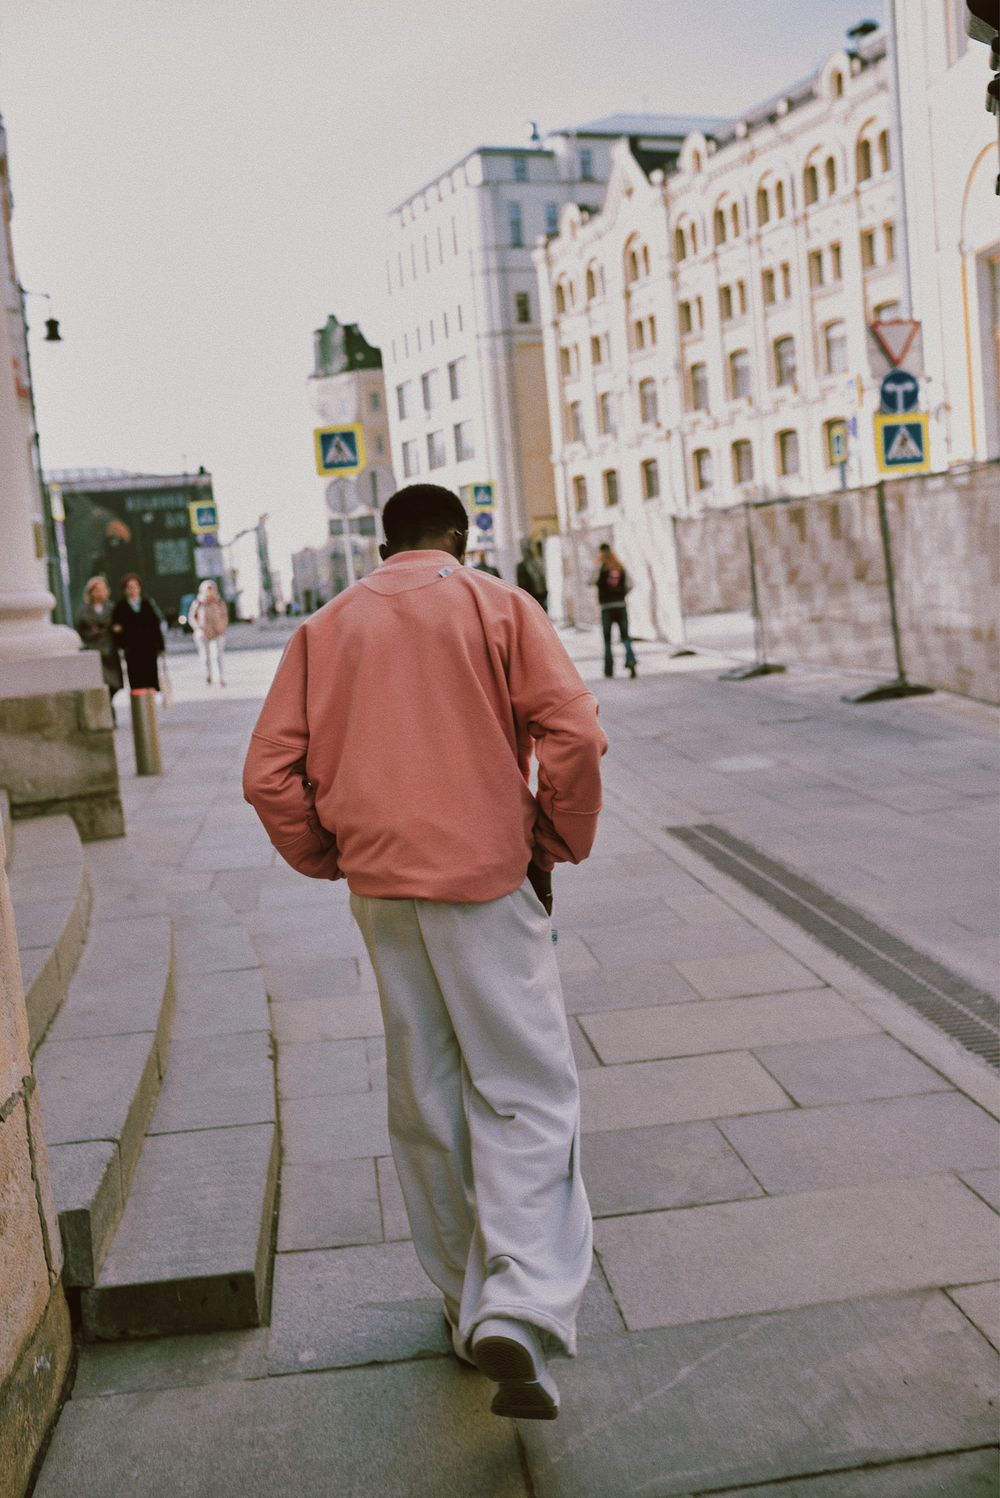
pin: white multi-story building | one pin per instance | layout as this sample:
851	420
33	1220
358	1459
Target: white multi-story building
460	327
347	388
707	331
953	229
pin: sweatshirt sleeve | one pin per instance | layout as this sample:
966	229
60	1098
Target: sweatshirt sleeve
274	775
553	705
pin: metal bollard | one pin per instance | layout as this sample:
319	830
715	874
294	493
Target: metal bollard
146	732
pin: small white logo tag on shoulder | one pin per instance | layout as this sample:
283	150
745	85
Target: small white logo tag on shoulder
446	572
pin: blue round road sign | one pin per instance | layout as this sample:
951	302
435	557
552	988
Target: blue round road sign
899	391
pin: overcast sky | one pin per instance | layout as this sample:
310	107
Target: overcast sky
198	183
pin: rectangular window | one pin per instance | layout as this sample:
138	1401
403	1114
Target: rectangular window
404	399
784	361
767	283
552	218
741	296
702	468
699	387
580	493
522	306
606	413
684	313
740	374
454	238
816	268
459	311
786	280
515	228
576	422
725	303
779	198
456	378
889	231
374	400
868	248
743	462
650	479
419	344
734	215
640	334
520	165
883	150
836	348
411	458
429	389
835	269
652	330
430	327
611	487
564	363
788	453
595	351
586	166
436	455
699	309
647	400
830	168
464	447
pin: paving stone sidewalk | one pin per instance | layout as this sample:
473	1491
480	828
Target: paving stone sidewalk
794	1182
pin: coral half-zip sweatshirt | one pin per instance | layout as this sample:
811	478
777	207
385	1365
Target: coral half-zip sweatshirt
394	746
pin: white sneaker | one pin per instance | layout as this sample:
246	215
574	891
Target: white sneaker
510	1353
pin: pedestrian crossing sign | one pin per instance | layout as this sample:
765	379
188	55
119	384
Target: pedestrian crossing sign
479	496
339	449
902	443
204	518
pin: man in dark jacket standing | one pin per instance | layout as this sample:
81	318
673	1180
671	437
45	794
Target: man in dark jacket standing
138	632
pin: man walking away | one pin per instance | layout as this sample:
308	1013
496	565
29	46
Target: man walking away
393	750
531	575
612	584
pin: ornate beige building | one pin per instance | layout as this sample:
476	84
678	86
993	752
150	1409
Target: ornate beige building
706	332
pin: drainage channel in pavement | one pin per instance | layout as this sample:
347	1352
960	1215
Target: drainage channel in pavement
964	1012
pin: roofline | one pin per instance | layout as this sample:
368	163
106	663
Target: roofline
476	151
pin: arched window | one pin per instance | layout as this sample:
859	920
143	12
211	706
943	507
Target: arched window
694	238
883	150
831	174
810	185
763	206
743	462
591	286
645	260
680	246
838	85
560	298
699	387
779	199
633	266
836	347
734	215
784	361
788	453
702	468
696	160
719	225
739	374
864	158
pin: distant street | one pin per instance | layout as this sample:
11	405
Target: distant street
791	1173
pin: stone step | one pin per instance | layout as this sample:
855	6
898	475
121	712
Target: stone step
100	1065
50	893
193	1251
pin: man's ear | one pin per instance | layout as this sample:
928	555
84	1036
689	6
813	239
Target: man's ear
383	552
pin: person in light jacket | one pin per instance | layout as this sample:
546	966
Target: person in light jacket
209	617
394	750
93	625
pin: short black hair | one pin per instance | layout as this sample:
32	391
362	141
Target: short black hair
422	511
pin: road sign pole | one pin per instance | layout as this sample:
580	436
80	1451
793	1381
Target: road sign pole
900	687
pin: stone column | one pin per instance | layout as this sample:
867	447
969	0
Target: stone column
26	630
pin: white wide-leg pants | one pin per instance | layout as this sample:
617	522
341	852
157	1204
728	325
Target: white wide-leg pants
484	1113
209	650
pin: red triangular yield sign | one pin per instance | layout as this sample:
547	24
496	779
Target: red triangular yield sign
895	337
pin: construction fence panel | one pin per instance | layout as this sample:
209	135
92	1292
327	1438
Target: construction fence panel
712	562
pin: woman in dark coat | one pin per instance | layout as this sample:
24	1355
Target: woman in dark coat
93	625
137	629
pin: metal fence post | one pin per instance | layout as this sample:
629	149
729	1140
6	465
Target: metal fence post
888	690
760	666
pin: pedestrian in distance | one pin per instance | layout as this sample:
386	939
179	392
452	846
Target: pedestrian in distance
138	630
93	625
209	618
480	564
393	750
531	575
613	585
